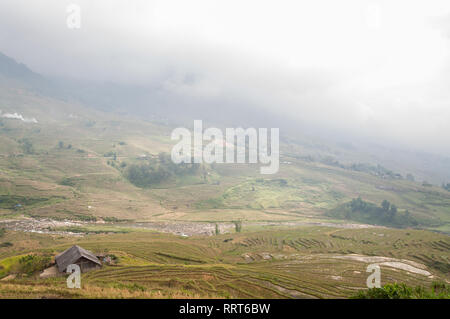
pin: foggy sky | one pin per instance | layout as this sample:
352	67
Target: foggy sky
371	68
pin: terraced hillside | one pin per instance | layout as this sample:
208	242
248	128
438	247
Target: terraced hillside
300	262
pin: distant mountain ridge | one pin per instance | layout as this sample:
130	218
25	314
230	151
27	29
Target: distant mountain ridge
10	68
15	74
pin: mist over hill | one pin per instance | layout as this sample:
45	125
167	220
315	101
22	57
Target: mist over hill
157	104
225	149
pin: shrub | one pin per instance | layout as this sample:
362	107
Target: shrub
113	219
66	181
27	146
30	264
6	244
438	290
111	154
86	218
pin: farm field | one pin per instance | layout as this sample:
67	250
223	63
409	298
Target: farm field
280	262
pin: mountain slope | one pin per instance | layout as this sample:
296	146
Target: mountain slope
74	160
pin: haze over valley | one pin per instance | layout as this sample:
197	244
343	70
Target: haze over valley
359	97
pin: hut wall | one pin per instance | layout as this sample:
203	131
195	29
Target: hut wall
86	264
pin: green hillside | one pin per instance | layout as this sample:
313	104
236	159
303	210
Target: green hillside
103	180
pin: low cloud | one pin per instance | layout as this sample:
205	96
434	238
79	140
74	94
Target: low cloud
17	116
366	67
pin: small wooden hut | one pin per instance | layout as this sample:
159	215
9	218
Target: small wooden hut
79	256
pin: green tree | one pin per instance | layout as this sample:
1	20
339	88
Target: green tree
391	213
238	226
385	205
217	229
27	146
393	209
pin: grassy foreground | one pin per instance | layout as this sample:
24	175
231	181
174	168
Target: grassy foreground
304	262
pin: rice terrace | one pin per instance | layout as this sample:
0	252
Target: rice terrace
345	181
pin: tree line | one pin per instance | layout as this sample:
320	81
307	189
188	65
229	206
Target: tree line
157	171
385	214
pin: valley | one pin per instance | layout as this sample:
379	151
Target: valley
102	180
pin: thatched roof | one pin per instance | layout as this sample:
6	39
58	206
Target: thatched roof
72	255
